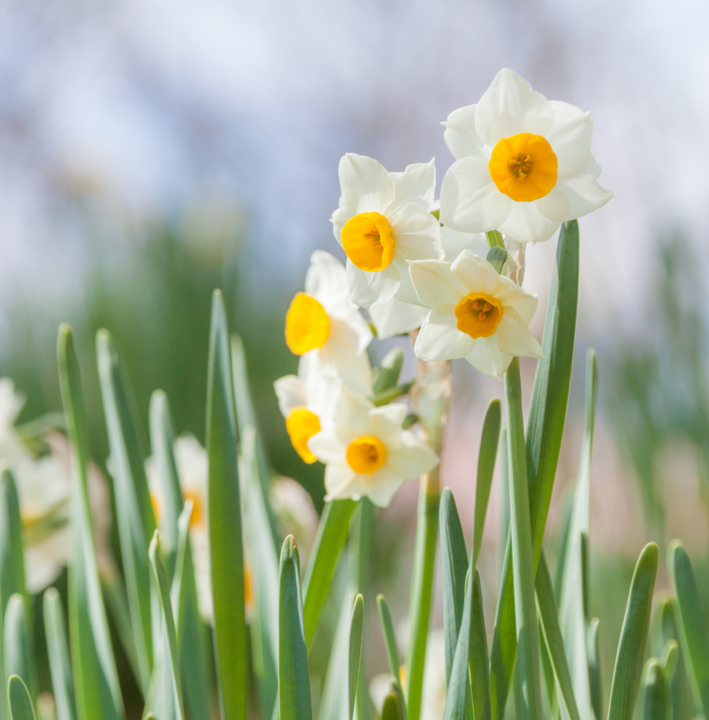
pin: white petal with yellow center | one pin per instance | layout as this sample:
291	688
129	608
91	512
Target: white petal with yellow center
523	164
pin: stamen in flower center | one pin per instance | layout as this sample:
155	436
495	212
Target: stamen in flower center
301	425
524	167
307	324
199	513
478	315
368	240
366	455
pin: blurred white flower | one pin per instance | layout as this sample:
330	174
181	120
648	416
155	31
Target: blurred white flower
366	451
475	313
523	163
307	402
455	242
323	323
383	220
44	492
296	513
193	472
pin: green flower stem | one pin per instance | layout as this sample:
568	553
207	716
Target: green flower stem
528	664
431	399
494	239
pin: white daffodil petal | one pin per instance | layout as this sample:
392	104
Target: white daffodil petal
416	184
462	137
366	288
510	106
387	421
413	457
435	284
340	353
513	296
326	447
455	242
475	273
571	125
488	358
572	159
338	480
326	280
396	317
406	292
352	415
382	485
465	191
582	193
514	337
440	339
291	393
417	234
527	224
368	180
555	205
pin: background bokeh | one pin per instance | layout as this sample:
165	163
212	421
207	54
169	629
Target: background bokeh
151	151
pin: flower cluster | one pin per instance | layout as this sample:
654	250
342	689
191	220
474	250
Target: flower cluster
522	167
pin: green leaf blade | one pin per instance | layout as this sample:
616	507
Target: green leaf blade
18	646
392	651
59	658
489	443
96	679
329	541
355	651
136	522
293	678
627	673
19	698
225	526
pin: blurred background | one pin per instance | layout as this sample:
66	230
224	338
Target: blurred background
151	151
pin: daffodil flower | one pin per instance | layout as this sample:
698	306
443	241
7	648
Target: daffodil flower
474	313
323	323
193	472
523	164
307	402
382	222
366	451
455	242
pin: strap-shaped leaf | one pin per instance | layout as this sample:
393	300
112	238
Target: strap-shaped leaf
392	651
136	522
19	699
165	695
486	469
454	563
633	638
573	604
293	678
670	656
96	680
19	652
387	374
225	534
192	644
691	623
330	539
594	668
522	554
263	568
58	652
12	564
391	707
552	633
657	692
547	414
335	701
355	651
479	663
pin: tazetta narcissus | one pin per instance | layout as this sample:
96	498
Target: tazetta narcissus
383	220
474	313
523	163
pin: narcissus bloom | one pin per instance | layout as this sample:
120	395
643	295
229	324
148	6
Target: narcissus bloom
366	451
322	321
382	222
307	402
475	313
523	163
